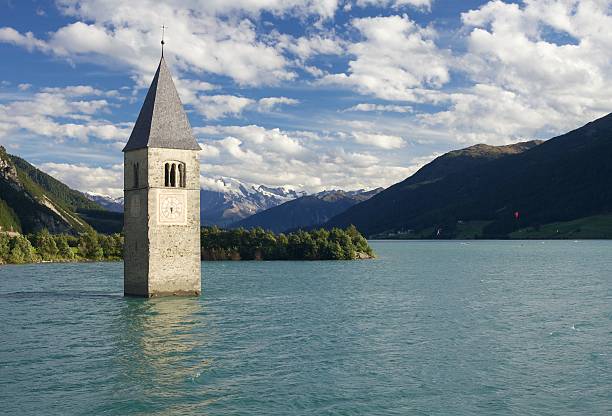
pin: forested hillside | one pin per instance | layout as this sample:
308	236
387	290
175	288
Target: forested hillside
485	193
31	200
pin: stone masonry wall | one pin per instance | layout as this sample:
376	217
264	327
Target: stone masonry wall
136	246
174	251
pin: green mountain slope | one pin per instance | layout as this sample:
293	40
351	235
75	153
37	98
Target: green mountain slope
36	180
459	161
9	221
594	227
31	200
305	211
562	179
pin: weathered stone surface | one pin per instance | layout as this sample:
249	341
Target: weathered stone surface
161	223
7	169
161	258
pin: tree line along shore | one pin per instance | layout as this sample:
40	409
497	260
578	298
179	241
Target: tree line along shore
217	244
259	244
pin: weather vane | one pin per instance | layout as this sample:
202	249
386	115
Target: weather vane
163	28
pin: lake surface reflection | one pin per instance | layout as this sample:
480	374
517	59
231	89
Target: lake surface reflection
433	328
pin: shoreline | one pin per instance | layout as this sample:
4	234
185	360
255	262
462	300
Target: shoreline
359	256
490	239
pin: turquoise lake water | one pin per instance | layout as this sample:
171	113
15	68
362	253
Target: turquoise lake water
428	328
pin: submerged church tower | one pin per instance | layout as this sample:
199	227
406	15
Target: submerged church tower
162	197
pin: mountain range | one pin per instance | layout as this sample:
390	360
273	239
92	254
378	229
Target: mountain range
233	201
561	187
236	204
31	200
227	203
107	202
306	211
497	192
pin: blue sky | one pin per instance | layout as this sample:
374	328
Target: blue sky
300	93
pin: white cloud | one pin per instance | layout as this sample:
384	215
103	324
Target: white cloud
188	89
27	40
214	184
314	71
420	4
103	181
305	47
43	114
271	103
523	70
89	107
271	140
215	107
106	9
539	69
396	60
208	151
303	160
233	147
253	154
385	108
75	91
489	114
384	141
217	37
82	38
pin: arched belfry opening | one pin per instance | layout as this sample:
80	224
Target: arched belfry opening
181	172
136	168
175	175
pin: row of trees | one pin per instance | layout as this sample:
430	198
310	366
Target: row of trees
259	244
42	246
217	244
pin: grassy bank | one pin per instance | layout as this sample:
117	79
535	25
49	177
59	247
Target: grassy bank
593	227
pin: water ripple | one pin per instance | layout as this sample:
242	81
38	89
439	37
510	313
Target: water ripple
430	328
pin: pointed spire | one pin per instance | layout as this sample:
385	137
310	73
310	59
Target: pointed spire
162	121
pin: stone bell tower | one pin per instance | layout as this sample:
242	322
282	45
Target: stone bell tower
162	197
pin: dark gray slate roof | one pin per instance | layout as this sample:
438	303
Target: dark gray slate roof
162	122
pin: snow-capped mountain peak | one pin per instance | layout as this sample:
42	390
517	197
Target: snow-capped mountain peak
108	202
223	200
226	200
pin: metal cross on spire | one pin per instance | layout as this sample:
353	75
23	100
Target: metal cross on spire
163	28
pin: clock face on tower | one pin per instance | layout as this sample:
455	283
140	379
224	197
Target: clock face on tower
172	209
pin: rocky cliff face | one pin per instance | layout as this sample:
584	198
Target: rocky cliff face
8	172
31	207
